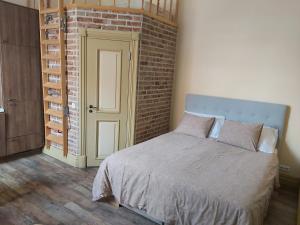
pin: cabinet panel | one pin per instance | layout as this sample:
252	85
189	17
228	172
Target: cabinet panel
24	143
18	25
13	72
23	118
21	72
22	90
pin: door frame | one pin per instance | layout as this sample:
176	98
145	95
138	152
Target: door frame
133	38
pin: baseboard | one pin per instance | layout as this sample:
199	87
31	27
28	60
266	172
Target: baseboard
73	160
20	155
289	181
294	183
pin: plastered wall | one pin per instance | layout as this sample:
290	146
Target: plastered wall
242	49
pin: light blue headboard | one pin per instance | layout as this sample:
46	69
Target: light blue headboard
273	115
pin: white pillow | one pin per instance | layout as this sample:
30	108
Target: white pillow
216	128
268	140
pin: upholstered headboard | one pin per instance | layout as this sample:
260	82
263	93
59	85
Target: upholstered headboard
273	115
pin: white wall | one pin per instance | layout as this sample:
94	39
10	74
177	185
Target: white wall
247	49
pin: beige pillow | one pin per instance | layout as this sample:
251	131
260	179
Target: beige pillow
195	125
243	135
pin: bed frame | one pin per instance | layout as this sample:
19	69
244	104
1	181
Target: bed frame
272	115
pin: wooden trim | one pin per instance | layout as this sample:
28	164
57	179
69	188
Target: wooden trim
111	35
43	66
134	49
82	91
150	6
121	10
63	79
102	7
161	19
177	9
78	161
171	7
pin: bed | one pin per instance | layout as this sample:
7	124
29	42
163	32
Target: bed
181	179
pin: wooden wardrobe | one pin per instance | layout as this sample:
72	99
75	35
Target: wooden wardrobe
20	79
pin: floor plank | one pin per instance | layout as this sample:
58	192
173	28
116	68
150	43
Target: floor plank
41	190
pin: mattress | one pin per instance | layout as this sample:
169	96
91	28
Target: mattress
181	179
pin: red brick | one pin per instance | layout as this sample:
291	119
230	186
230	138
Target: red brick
84	19
125	28
125	17
109	16
118	22
134	24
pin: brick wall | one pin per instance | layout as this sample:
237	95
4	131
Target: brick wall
155	79
88	19
155	69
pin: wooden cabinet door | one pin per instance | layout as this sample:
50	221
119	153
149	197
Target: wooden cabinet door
20	75
18	25
22	97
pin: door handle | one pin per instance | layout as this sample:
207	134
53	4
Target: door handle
92	107
12	101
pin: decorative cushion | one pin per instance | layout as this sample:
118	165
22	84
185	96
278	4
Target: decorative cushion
216	127
195	125
243	135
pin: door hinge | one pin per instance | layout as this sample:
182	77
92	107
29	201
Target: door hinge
129	56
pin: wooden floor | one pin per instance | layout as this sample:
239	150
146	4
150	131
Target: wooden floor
41	190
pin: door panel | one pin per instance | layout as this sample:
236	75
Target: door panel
109	77
107	96
21	90
108	136
24	143
18	25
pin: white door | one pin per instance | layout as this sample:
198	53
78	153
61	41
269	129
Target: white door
107	96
